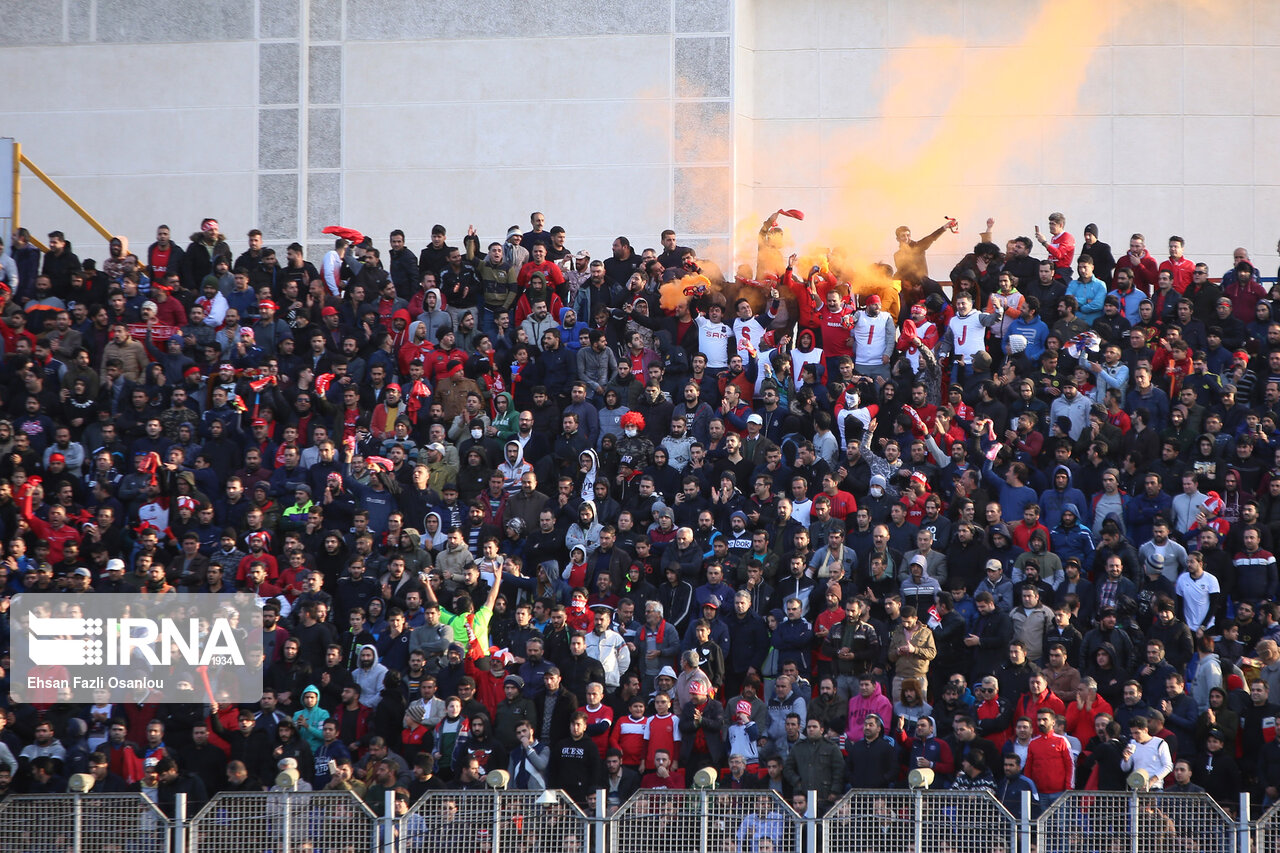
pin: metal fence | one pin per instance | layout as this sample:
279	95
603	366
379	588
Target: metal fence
78	823
271	822
663	821
1148	822
921	821
491	821
1266	832
706	822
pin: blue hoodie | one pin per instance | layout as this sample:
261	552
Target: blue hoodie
1053	501
1074	541
569	334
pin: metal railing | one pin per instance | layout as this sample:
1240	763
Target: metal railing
657	821
278	822
80	823
1133	822
923	821
707	822
492	821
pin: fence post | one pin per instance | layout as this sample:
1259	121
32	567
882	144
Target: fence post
1133	822
1024	824
286	835
917	824
179	823
1246	818
388	821
495	836
77	823
811	822
704	819
602	814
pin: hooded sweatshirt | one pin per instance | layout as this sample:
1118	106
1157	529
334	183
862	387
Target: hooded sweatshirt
310	720
1053	501
588	490
435	320
369	679
860	708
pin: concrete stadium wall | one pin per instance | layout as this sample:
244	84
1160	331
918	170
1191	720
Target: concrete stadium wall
620	116
612	117
1173	134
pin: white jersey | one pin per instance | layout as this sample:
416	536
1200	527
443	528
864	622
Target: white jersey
331	271
713	342
747	333
873	337
913	351
969	334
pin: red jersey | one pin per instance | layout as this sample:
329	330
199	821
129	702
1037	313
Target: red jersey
602	714
662	732
629	735
837	338
843	505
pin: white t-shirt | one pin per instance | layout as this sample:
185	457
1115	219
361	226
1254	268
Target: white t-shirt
969	334
713	342
869	336
1195	598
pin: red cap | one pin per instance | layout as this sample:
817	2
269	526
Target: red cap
1242	356
191	370
873	299
395	385
267	303
329	311
157	285
57	457
259	422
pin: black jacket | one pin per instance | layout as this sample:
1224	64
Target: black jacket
872	764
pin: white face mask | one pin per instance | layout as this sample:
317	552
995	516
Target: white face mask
631	432
476	433
877	491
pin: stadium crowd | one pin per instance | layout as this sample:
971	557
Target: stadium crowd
605	522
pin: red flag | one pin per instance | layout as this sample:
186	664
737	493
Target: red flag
793	213
345	233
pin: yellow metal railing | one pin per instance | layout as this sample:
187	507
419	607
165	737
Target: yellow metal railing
20	160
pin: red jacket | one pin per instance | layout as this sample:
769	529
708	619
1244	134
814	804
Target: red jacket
1049	763
1182	270
554	276
1061	249
1028	705
1021	538
1080	720
1146	275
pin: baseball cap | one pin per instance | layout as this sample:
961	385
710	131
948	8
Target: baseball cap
57	457
753	418
259	422
116	565
994	565
436	446
743	707
267	303
873	299
713	601
329	311
82	572
151	762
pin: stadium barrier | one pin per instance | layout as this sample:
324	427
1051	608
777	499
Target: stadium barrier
652	821
84	823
